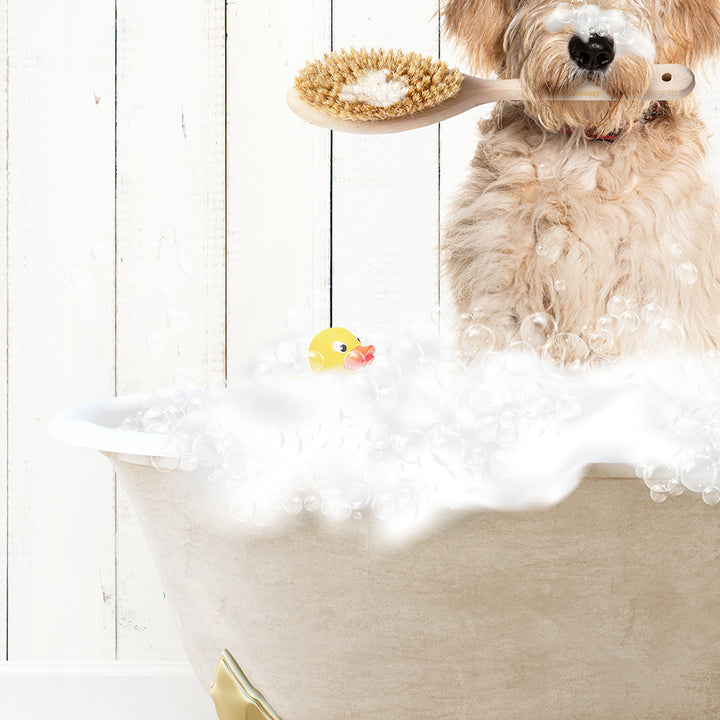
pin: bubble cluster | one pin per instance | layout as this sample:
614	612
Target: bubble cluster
422	429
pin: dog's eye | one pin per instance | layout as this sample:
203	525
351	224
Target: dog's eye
340	347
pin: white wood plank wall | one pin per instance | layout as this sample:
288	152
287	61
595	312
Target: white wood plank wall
161	209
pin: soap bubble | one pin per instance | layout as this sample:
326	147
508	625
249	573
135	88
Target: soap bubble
559	285
659	493
645	472
651	313
478	340
537	329
316	360
601	342
666	337
130	424
565	349
616	305
286	353
611	324
630	321
156	420
675	487
699	473
424	366
358	496
293	505
686	273
448	448
263	372
196	404
541	249
384	506
164	464
409	444
179	398
486	428
208	448
188	463
711	495
312	503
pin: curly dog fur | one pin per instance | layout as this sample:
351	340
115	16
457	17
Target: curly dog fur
554	220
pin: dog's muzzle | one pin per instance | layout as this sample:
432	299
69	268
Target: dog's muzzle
595	54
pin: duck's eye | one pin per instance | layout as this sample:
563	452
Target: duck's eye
340	347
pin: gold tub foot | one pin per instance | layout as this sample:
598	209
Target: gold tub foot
235	698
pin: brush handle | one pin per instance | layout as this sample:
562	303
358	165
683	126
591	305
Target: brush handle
667	82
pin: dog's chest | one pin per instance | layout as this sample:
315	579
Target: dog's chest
592	193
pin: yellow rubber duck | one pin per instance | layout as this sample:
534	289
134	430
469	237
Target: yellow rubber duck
337	348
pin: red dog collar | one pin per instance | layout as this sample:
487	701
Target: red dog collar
649	116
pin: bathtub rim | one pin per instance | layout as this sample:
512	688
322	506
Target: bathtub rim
95	425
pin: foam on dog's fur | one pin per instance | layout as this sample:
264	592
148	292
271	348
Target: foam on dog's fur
587	20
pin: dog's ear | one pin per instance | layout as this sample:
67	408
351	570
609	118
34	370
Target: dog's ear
479	28
691	31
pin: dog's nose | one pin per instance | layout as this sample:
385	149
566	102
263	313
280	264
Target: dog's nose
595	54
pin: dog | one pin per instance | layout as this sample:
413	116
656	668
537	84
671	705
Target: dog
596	214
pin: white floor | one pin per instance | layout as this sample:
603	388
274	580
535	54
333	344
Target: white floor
111	691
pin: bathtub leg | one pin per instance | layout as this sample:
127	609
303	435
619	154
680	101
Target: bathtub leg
235	698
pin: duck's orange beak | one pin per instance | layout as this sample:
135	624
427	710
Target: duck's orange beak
359	356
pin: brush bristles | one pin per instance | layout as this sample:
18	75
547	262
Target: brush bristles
428	82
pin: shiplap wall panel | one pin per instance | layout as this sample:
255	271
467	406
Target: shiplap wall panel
3	326
278	179
60	325
385	192
170	246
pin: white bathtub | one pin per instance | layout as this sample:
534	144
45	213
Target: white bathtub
602	607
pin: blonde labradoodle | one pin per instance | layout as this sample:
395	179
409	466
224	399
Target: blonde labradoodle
598	214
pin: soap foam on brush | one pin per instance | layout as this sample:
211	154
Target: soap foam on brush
375	87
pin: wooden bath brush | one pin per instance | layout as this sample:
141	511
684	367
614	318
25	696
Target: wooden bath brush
377	91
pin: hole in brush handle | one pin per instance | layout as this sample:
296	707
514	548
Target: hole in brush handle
667	77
